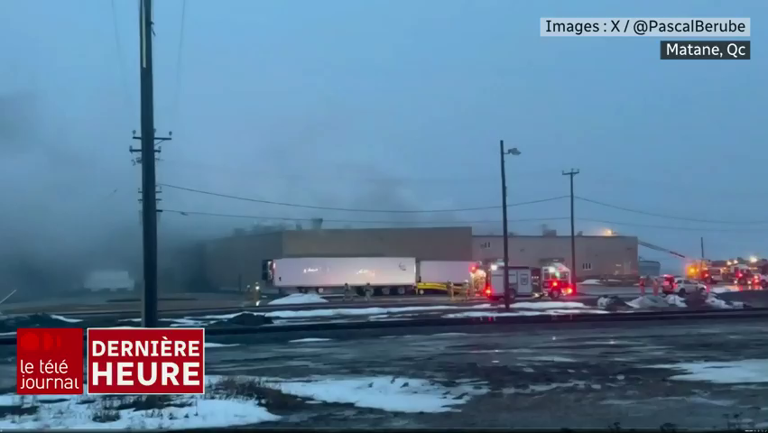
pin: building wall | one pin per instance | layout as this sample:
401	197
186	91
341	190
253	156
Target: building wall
451	243
235	261
596	255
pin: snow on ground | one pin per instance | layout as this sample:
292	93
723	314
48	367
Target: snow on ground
744	371
213	345
299	298
7	334
547	305
530	389
393	394
183	322
547	359
309	340
554	312
725	289
591	282
676	301
301	314
78	413
715	302
65	319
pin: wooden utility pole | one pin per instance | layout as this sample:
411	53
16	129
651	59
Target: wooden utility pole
571	174
505	234
147	161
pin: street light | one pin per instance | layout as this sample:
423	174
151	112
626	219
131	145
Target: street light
514	152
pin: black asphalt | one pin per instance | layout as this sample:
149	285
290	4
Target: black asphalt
578	376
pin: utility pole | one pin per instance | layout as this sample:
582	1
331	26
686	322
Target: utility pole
573	173
502	154
147	160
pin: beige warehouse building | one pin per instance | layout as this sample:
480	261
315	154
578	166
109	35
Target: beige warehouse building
596	256
234	261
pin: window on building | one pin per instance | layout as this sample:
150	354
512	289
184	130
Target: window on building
485	245
586	266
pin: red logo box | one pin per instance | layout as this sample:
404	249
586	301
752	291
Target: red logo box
49	361
146	361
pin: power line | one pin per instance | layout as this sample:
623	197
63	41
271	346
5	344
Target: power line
120	66
399	211
456	222
345	221
641	212
175	107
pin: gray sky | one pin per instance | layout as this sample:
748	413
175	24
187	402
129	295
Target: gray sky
381	104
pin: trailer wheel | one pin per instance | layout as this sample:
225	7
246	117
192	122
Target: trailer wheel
421	291
319	290
401	290
385	291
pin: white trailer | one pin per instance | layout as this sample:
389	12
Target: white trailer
109	280
387	275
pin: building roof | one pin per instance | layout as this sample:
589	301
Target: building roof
557	236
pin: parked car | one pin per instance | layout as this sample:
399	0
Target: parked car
680	286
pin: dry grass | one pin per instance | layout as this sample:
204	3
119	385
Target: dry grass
273	400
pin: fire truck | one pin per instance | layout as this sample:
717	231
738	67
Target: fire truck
556	280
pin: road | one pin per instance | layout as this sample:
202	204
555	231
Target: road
229	302
550	378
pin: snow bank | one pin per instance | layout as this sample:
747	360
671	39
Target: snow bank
715	302
649	301
744	371
553	312
65	319
725	289
677	301
329	312
175	323
212	345
394	394
547	305
309	340
299	298
591	282
78	413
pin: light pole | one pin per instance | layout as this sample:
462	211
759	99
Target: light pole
503	153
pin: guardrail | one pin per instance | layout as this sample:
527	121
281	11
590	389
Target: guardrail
638	316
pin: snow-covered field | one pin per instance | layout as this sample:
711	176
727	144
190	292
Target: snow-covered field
230	401
743	371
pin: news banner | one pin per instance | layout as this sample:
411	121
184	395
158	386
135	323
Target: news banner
700	49
136	361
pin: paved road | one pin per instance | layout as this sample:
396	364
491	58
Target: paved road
552	377
579	376
230	303
206	302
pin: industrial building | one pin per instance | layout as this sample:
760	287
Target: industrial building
235	261
650	268
596	256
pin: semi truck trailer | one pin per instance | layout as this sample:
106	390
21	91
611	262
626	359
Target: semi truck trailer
387	275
